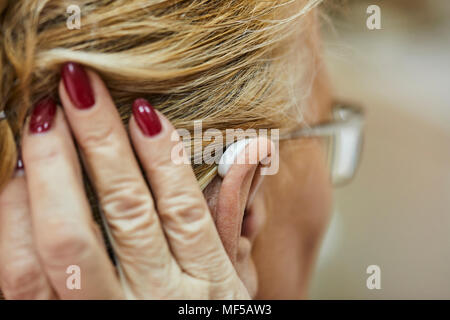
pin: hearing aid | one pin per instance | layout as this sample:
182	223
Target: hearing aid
229	156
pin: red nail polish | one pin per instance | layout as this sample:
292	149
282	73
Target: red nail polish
77	84
42	116
146	117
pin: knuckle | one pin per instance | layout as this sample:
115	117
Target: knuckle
187	223
159	162
98	137
167	157
128	207
165	282
183	207
21	279
64	245
49	154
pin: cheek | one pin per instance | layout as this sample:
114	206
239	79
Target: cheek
298	203
313	201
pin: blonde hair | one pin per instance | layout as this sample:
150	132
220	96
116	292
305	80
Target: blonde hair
221	61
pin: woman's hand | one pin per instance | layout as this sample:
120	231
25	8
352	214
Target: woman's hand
165	240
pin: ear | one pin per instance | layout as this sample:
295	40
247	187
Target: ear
236	193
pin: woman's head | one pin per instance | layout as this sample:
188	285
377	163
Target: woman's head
221	62
231	64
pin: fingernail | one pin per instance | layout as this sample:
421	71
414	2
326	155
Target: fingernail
42	116
146	117
77	84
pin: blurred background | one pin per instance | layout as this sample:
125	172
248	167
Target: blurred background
396	213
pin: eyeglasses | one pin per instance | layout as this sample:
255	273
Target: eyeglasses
344	135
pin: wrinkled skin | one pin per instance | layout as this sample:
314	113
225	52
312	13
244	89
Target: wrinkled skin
246	236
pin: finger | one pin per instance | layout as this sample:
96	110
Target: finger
183	210
121	188
21	274
61	218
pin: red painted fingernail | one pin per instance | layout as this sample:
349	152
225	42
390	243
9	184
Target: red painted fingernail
77	84
42	116
146	117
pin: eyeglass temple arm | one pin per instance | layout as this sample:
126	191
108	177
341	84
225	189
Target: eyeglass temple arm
344	116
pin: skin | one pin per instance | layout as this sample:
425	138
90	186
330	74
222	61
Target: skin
293	207
246	236
297	203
